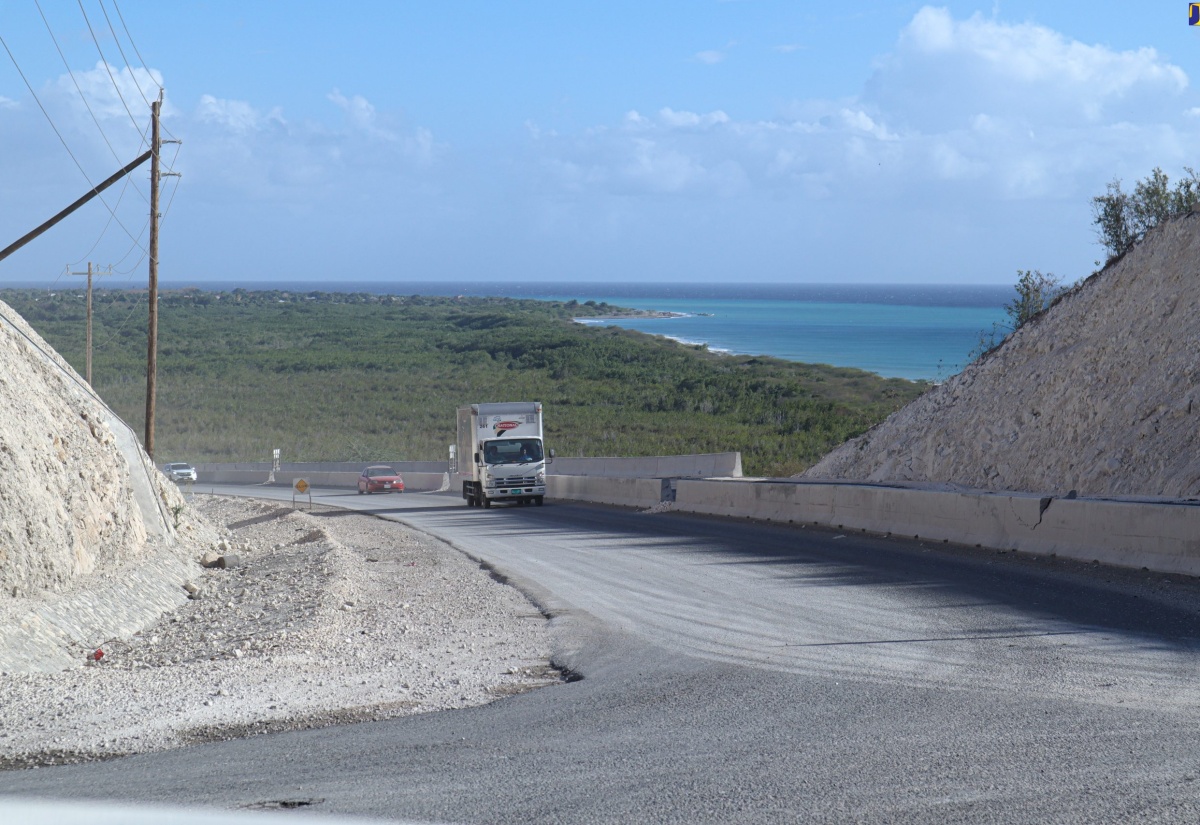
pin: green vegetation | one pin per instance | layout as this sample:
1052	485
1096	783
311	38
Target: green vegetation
331	376
1035	292
1123	218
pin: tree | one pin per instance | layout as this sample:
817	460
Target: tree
1124	218
1036	290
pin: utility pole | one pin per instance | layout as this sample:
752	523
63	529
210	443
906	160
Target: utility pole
89	275
152	345
156	143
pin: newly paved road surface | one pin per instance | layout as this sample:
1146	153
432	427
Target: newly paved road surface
735	672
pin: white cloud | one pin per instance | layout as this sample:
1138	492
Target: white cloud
965	119
113	92
265	156
659	169
711	57
235	116
673	119
361	115
634	120
945	70
995	110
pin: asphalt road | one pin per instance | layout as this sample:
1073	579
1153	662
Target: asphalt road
736	672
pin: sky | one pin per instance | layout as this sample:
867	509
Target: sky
724	141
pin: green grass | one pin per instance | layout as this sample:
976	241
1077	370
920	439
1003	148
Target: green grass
361	377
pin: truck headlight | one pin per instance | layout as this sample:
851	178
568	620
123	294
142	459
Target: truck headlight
540	478
491	482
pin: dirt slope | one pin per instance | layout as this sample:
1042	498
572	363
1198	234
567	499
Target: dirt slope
1101	394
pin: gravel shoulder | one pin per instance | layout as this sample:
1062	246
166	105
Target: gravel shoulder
328	617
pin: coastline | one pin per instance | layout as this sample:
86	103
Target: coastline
636	315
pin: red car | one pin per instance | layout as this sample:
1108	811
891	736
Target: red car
380	478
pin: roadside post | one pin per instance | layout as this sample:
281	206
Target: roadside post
301	487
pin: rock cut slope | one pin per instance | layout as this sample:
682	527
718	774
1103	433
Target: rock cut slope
68	495
1100	394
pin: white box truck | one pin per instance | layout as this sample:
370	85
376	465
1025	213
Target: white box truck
499	454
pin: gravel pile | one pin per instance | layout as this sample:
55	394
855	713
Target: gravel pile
320	618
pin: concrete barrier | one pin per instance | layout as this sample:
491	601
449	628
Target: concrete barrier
413	482
705	465
1163	536
302	467
624	492
1160	535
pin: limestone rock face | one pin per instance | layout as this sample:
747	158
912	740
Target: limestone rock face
1100	394
66	497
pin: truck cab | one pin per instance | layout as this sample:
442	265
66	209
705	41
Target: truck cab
500	453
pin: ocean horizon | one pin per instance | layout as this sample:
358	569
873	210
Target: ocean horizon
979	295
912	331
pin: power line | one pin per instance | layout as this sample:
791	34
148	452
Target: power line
130	36
145	226
141	299
117	40
108	69
103	232
82	96
61	139
124	26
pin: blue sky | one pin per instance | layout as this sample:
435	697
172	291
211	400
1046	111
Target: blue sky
741	141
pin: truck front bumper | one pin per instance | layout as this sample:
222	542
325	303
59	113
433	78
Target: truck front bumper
515	492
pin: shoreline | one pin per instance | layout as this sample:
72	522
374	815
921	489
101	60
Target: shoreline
638	315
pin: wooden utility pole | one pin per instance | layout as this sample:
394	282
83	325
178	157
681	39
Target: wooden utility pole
152	345
156	174
89	275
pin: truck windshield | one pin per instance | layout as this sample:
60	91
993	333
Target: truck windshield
516	451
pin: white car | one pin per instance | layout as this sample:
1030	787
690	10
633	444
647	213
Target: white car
180	472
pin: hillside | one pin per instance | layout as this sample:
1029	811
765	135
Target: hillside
342	376
69	497
1099	394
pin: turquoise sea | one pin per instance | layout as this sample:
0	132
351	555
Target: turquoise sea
904	331
894	340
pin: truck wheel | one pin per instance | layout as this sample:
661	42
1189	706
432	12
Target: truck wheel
538	499
487	503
